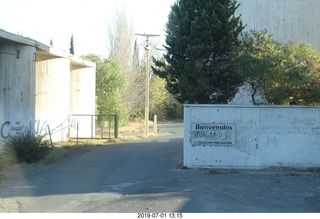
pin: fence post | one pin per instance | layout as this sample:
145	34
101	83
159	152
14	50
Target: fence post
155	124
77	131
92	128
50	136
116	126
109	125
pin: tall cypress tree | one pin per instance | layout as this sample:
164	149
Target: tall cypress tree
201	40
71	46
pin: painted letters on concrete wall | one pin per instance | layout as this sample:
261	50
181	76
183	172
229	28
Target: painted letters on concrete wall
212	134
229	136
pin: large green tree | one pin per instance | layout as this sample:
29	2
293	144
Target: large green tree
159	98
110	84
257	61
298	76
200	42
283	73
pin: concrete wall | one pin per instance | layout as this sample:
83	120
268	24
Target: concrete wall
285	20
224	136
65	86
41	87
17	87
52	96
82	88
243	96
82	99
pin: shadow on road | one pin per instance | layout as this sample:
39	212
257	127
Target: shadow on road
144	176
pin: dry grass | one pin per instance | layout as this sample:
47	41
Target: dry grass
134	129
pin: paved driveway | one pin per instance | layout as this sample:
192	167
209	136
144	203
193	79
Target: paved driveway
144	176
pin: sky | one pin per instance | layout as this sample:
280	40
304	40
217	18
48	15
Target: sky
87	20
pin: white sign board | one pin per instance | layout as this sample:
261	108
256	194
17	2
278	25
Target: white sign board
230	136
212	134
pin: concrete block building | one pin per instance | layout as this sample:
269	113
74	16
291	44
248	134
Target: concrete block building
41	87
285	20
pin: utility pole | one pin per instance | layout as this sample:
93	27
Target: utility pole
146	109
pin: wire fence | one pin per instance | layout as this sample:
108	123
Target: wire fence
94	126
75	126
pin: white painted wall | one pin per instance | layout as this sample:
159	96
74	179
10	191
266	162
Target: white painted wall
261	136
65	86
52	96
82	100
243	96
82	89
285	20
41	87
17	87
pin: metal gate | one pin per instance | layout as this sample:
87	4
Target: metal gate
83	126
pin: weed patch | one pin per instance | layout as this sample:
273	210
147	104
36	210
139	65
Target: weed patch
26	147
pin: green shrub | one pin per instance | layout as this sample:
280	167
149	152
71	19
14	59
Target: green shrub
27	147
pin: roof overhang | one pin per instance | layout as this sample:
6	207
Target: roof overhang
44	50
